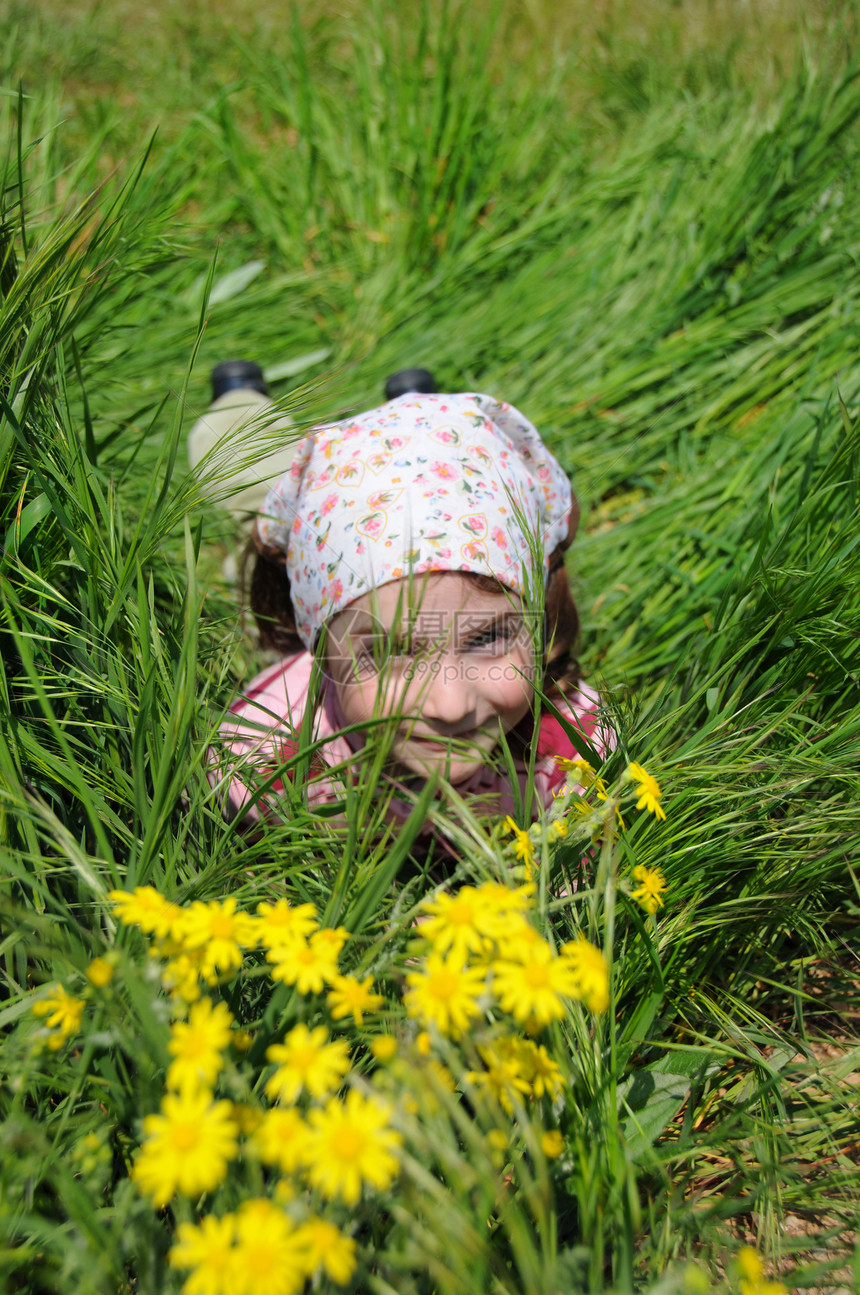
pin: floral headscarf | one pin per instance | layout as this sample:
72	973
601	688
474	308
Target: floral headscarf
424	483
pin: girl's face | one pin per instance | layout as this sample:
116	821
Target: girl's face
451	662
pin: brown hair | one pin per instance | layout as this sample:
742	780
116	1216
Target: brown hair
268	591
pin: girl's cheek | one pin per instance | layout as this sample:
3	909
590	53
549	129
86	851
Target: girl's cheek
516	687
392	692
520	670
357	699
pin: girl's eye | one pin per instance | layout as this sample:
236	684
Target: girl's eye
363	662
373	660
495	637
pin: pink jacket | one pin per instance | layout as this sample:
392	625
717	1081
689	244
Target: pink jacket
261	737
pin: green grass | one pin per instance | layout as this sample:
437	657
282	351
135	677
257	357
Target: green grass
644	233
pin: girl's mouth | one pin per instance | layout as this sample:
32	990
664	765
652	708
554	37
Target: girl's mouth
430	743
452	742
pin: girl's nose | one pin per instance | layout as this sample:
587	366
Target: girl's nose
447	697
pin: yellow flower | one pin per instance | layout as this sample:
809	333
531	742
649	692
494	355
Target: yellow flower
592	819
268	1258
100	973
384	1047
502	909
187	1147
586	776
326	1247
332	937
423	1043
145	908
521	942
539	1070
207	1250
350	1144
557	830
353	997
197	1046
63	1013
502	899
306	1060
648	791
307	964
444	993
753	1280
649	892
280	1138
457	923
534	986
502	1077
219	931
590	973
281	923
749	1264
552	1144
181	976
522	847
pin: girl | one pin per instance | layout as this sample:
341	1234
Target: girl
415	553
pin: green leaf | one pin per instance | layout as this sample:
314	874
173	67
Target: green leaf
31	514
235	282
647	1102
289	368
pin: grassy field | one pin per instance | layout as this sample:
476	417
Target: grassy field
640	225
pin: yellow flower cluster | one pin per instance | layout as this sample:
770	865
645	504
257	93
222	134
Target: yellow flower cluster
339	1145
204	943
198	943
584	776
319	1132
259	1250
593	799
484	952
61	1011
584	796
587	796
525	841
516	1068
